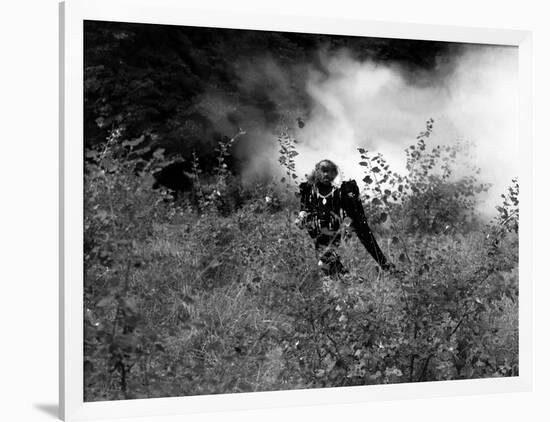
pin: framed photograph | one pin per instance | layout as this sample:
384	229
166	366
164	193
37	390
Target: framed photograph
265	211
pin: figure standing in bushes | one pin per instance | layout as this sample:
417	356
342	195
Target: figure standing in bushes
323	208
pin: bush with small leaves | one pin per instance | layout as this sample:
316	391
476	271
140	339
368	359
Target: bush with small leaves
189	300
431	197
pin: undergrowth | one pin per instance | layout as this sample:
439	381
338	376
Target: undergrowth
220	293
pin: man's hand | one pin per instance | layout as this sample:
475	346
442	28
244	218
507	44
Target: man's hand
301	220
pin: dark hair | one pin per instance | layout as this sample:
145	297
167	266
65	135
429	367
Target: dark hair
312	177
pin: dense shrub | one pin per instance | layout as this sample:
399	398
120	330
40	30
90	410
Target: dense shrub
438	192
201	297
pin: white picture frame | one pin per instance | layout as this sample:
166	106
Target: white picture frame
72	15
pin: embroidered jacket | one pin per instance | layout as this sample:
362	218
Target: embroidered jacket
325	214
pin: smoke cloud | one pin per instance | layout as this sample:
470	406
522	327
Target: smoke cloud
472	97
472	94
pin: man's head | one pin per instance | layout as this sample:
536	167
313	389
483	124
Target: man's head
325	172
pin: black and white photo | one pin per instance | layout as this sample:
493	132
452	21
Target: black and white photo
269	211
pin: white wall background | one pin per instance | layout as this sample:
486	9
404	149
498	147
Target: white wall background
29	212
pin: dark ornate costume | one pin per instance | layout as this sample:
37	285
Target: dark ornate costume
324	216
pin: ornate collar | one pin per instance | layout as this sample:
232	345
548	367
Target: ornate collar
324	197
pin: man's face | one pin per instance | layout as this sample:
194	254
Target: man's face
326	173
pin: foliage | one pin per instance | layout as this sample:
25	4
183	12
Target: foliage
287	155
225	194
174	83
191	298
121	210
508	211
432	196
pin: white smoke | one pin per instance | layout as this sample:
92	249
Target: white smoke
382	108
471	94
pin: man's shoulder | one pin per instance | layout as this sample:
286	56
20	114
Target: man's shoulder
305	187
349	188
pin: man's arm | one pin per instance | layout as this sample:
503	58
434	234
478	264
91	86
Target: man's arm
305	200
351	203
306	216
305	204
